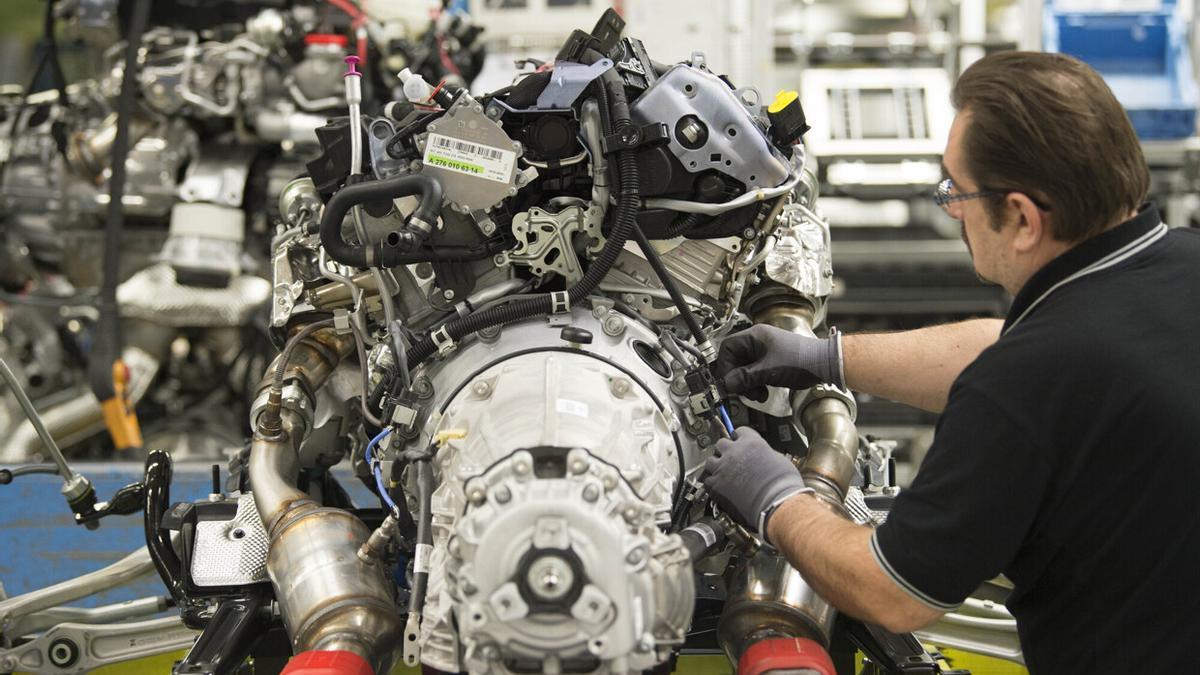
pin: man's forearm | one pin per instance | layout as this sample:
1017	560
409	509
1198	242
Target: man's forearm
834	556
915	367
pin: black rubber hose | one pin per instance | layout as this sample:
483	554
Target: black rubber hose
391	252
416	601
702	537
7	475
157	480
624	221
669	284
107	347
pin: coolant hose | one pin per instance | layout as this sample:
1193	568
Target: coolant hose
390	252
624	221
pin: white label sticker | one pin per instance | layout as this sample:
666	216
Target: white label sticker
481	161
571	407
421	559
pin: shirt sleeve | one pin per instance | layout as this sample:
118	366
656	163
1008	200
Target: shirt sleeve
970	507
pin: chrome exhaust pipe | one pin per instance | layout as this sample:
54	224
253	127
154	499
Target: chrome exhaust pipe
329	598
767	597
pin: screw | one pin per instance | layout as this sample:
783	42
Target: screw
704	440
679	386
469	588
591	493
748	233
609	482
579	465
500	260
613	325
630	514
423	388
521	179
476	495
481	389
620	387
489	653
448	294
599	311
636	556
433	127
503	494
488	228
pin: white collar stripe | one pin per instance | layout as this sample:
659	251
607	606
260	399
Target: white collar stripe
1120	255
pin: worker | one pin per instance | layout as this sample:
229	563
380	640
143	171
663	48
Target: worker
1069	438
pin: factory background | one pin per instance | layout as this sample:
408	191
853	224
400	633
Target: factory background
874	77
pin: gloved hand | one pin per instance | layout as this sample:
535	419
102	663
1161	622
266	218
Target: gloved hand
764	355
749	479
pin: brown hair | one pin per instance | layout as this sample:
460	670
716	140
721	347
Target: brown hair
1047	125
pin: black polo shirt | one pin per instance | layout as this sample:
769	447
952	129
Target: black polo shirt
1067	458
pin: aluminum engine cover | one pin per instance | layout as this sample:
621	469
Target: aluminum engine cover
610	422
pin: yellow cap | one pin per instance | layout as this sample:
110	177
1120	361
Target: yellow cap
782	100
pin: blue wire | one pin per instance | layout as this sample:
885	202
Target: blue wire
377	470
725	418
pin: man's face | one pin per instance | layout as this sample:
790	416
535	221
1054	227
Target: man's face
988	247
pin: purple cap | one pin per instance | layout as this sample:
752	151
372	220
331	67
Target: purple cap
352	62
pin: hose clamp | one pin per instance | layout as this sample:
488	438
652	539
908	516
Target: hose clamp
560	302
419	224
441	338
802	399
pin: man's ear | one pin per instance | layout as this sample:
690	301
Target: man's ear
1033	226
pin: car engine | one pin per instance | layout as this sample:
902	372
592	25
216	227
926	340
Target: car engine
225	106
501	312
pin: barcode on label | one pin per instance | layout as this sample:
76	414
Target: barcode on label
463	146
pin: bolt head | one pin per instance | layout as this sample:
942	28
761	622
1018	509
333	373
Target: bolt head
704	440
422	387
476	495
591	493
503	494
613	325
448	294
481	388
578	466
679	386
469	588
620	387
636	556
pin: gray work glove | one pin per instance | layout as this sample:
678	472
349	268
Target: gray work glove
749	479
764	355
